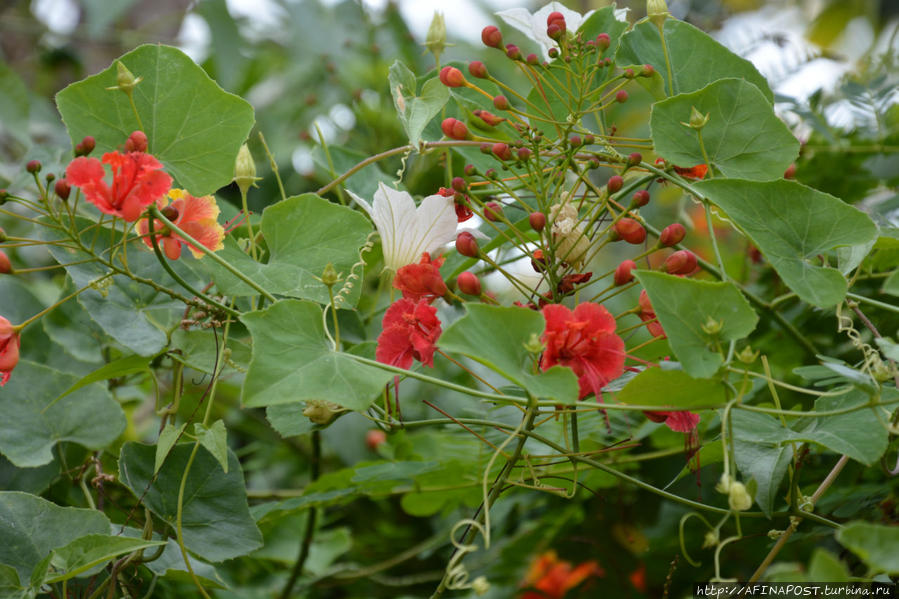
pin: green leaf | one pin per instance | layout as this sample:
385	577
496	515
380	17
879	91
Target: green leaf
216	520
84	553
891	285
288	419
171	562
685	306
415	111
215	440
193	126
10	587
742	138
201	350
792	225
671	389
826	567
304	234
877	545
888	347
496	336
696	59
293	361
766	463
604	21
115	369
31	527
167	439
34	423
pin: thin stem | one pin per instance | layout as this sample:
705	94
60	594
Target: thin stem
178	516
274	165
315	467
873	302
661	28
24	324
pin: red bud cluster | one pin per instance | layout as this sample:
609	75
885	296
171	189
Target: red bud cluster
136	142
85	146
454	129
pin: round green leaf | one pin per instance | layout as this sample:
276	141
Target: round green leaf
877	545
194	127
742	138
672	389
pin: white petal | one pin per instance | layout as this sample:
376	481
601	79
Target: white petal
435	225
364	204
519	18
621	14
394	213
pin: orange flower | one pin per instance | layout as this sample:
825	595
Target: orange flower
552	578
195	216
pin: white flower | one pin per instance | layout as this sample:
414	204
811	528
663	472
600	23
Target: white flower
406	231
534	25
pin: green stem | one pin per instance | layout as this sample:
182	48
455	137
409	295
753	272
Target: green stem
215	257
315	466
873	302
24	324
178	516
661	28
274	165
246	212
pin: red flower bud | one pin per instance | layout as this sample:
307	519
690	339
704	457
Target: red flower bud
671	235
33	166
501	103
524	153
136	142
634	159
170	212
459	184
640	198
629	74
616	182
488	117
374	438
493	211
470	170
790	173
5	265
538	261
477	69
502	151
555	32
62	189
575	141
630	230
623	273
532	59
537	221
681	262
467	245
490	173
85	146
454	129
647	71
553	52
621	96
555	17
452	77
513	52
603	41
492	37
468	284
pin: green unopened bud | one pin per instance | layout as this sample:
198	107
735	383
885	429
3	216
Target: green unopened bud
480	586
711	539
125	80
321	412
697	119
534	345
330	276
657	11
747	356
738	498
435	41
724	484
244	169
711	326
775	534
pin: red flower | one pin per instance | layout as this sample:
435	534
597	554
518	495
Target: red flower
552	578
195	216
137	182
679	422
422	280
694	172
9	349
585	341
648	315
410	331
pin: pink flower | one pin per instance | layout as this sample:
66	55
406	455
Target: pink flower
195	216
410	332
137	182
585	341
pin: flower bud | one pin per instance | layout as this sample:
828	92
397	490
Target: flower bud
589	139
634	159
244	169
553	52
671	235
682	262
537	221
630	230
454	129
470	170
623	273
524	154
738	497
493	211
469	284
538	261
575	141
480	586
657	11
513	51
85	146
492	37
502	151
621	96
435	41
330	276
321	412
697	119
467	245
556	18
640	198
490	173
648	71
489	118
477	69
747	356
3	195
616	182
125	80
603	41
501	103
5	265
33	166
711	326
554	32
452	77
374	438
62	189
170	212
532	59
136	142
629	74
790	173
